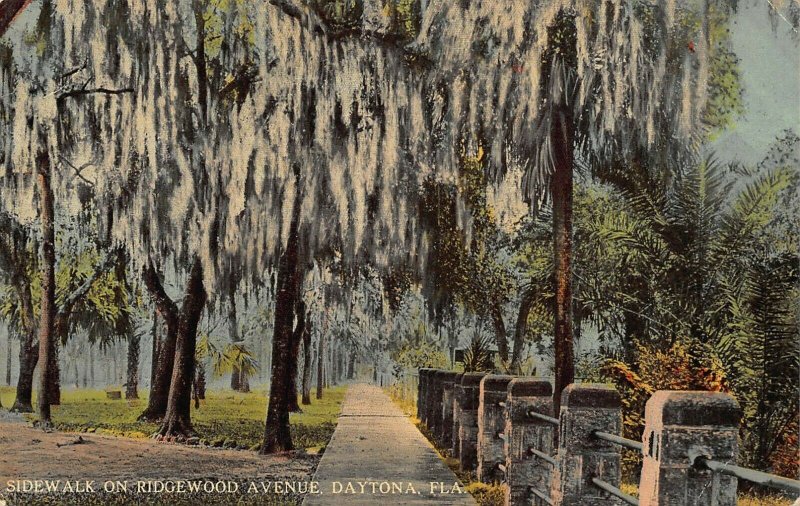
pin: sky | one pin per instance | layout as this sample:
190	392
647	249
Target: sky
770	73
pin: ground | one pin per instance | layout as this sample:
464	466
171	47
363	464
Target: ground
116	447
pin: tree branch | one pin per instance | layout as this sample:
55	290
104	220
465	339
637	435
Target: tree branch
90	91
66	306
9	9
78	170
165	305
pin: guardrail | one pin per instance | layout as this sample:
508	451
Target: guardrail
504	428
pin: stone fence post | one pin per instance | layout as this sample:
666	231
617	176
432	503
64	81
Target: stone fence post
491	426
468	421
431	401
455	418
680	426
422	395
523	432
586	408
446	429
437	407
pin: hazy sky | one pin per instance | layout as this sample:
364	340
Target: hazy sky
770	71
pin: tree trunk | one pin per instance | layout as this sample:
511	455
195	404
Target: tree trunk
28	345
8	359
48	301
239	380
132	376
76	373
177	419
9	10
164	363
91	365
320	362
500	332
561	191
351	366
28	356
60	330
307	362
199	386
155	348
277	435
294	358
528	298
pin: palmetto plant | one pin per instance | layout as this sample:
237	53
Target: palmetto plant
710	262
225	360
479	357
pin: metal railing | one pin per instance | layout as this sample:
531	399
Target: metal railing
751	475
543	418
615	491
622	441
542	455
700	462
742	473
541	495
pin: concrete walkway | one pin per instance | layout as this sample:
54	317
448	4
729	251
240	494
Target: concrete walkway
377	456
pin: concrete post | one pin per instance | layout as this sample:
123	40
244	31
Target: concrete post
680	426
523	470
422	395
458	394
435	416
446	429
491	426
468	421
586	408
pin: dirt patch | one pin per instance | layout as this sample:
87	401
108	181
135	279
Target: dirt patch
31	454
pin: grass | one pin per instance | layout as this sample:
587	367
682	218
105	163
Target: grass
484	494
225	418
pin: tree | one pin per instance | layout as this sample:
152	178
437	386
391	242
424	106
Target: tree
559	88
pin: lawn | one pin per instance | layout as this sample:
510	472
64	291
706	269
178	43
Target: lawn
225	418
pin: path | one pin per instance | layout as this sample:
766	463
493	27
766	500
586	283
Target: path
376	445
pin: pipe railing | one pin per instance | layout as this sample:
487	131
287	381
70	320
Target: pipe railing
615	491
622	441
547	458
701	462
543	418
541	495
751	475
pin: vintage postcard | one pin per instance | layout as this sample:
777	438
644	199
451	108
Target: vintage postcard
334	252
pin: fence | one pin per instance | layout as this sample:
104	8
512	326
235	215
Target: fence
504	429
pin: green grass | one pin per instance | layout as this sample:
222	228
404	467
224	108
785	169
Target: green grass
225	418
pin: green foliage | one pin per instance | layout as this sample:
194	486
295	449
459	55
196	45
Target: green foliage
710	263
487	495
234	356
416	356
685	366
478	357
725	101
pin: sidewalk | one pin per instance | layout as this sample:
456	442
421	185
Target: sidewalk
377	456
